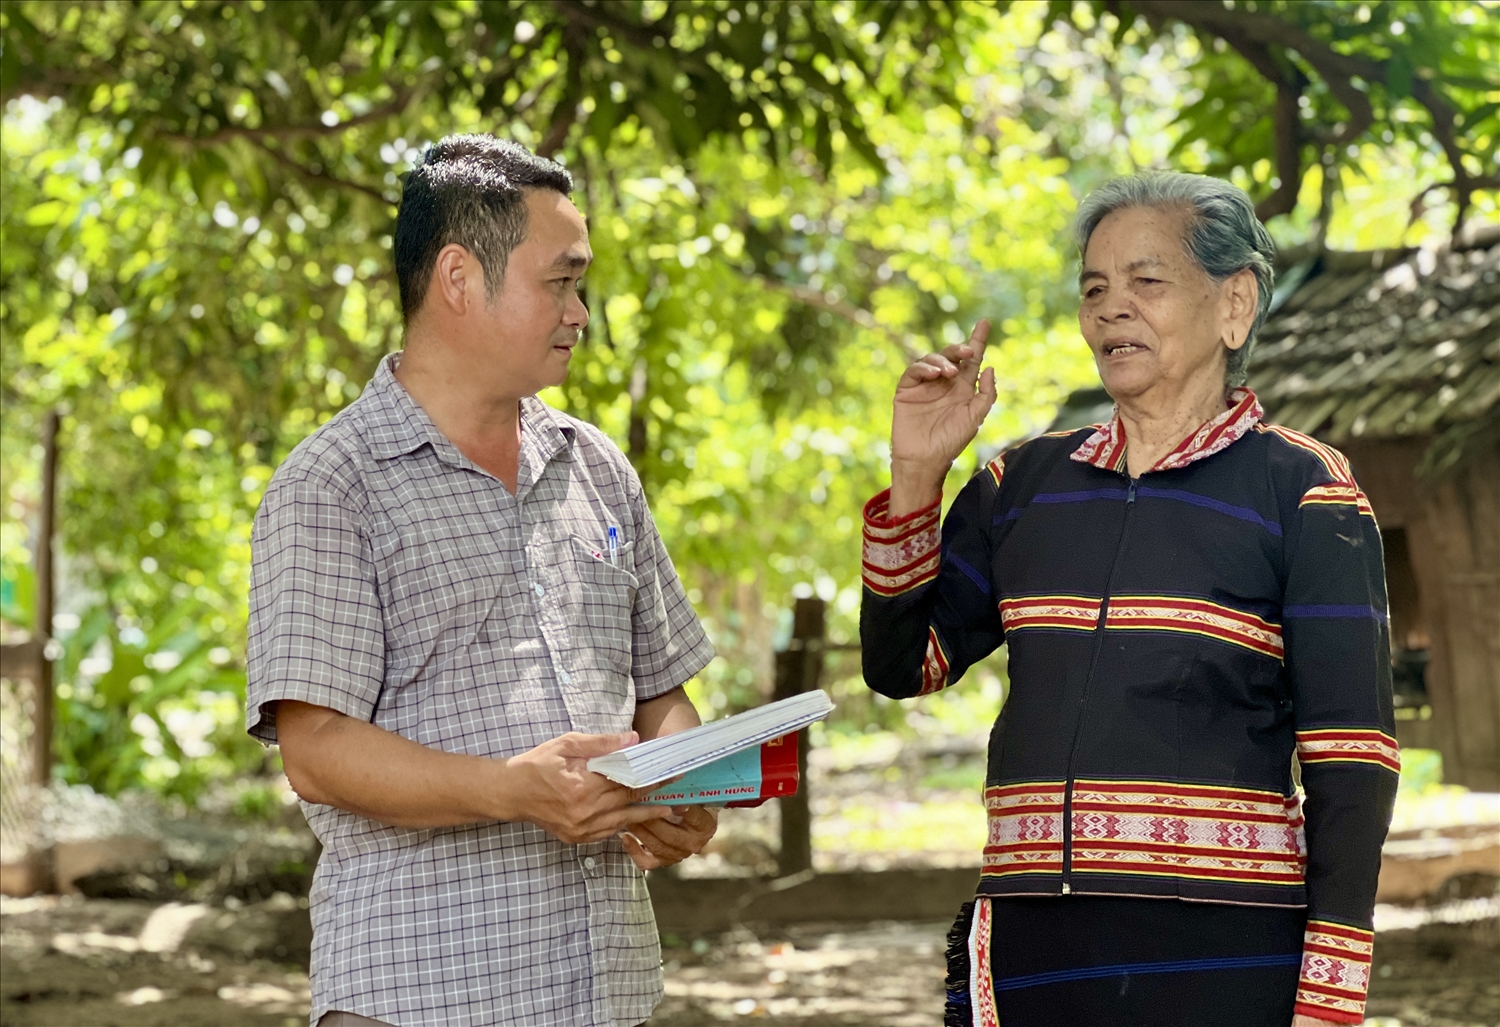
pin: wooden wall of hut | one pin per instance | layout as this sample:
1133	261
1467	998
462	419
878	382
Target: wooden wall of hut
1452	533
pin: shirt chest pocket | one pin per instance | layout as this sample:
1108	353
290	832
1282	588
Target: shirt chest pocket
598	601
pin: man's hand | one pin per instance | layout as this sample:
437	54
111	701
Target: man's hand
661	843
342	761
552	787
941	400
1303	1020
686	829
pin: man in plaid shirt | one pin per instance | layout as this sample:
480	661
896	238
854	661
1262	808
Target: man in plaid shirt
458	598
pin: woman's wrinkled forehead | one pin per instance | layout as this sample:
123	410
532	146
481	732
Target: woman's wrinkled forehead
1139	236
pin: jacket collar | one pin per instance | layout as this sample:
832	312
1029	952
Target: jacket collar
397	425
1105	448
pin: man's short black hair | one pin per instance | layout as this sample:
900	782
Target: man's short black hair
469	190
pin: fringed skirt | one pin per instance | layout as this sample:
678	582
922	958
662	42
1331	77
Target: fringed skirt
1101	961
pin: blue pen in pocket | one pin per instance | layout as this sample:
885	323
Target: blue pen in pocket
614	544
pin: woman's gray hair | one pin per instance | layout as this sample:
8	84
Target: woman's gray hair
1224	236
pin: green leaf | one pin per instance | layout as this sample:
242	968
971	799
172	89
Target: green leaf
1398	75
46	213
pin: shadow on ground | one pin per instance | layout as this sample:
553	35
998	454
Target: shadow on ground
101	962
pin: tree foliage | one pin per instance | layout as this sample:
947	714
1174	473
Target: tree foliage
1332	75
219	88
786	200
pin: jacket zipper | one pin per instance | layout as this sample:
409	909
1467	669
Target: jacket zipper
1067	824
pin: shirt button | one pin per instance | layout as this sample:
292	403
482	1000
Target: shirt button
589	862
565	678
538	589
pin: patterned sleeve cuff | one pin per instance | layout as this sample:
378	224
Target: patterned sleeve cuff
1369	746
900	553
1335	971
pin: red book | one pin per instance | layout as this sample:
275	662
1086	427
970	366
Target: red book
745	778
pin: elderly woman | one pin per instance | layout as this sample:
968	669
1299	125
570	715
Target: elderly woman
1191	598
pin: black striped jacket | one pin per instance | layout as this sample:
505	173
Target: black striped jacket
1173	640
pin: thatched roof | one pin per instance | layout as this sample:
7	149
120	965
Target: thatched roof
1388	344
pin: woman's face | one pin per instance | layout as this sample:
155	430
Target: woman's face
1152	317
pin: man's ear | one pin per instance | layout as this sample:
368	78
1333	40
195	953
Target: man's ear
1238	301
456	279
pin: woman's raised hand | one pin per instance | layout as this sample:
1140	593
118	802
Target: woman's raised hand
941	400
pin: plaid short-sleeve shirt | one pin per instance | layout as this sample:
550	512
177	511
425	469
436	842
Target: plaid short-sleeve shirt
395	581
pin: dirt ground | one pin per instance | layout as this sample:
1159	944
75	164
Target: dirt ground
231	950
101	963
887	974
891	975
95	963
1442	975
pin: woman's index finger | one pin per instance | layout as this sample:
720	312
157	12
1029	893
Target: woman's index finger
979	339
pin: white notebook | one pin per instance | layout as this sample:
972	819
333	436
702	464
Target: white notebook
649	763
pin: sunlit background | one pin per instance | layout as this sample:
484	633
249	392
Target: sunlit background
786	201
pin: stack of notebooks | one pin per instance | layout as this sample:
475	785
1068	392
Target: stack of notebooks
738	761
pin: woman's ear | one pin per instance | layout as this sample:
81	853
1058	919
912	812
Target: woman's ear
1239	299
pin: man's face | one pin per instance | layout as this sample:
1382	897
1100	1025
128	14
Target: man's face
528	332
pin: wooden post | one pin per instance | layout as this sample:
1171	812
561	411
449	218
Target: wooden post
42	697
799	668
28	661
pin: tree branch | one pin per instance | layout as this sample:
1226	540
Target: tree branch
397	104
1271	31
1254	35
1288	155
1325	202
909	344
39	75
321	176
1285	121
1443	116
644	37
578	13
565	114
1475	183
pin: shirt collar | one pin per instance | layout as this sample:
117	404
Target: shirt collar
397	425
1105	448
545	435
